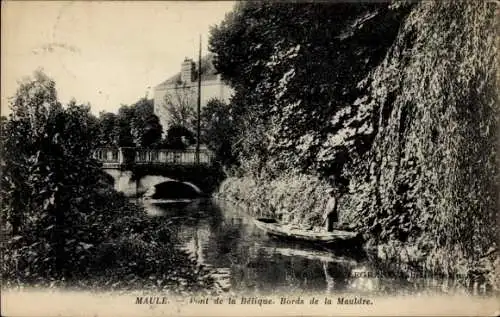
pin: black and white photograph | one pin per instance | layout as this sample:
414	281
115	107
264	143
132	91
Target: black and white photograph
249	158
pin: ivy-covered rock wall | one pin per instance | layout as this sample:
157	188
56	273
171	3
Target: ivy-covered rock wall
397	101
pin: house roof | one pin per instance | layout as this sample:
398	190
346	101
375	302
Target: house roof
208	72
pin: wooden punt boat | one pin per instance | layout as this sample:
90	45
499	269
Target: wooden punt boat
273	228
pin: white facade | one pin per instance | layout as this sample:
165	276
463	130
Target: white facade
183	88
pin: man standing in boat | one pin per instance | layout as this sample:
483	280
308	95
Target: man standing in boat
330	217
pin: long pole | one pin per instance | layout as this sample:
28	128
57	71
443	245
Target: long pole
199	108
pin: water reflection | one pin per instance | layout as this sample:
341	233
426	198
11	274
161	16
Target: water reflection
245	260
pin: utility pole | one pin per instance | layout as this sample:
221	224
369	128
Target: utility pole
199	108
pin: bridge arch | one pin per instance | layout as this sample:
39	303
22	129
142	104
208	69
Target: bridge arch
136	181
173	189
196	188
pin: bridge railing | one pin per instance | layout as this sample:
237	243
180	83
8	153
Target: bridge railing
110	156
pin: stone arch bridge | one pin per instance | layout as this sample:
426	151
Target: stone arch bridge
135	170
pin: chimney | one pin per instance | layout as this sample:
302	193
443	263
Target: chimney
187	70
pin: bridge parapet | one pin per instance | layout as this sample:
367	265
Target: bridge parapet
118	157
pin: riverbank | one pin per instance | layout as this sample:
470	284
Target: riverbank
119	248
300	199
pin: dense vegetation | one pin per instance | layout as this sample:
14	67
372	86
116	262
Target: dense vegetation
134	125
216	125
138	126
62	221
394	101
217	128
295	71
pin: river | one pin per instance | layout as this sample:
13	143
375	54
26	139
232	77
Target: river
222	237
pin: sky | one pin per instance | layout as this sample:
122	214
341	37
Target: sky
102	53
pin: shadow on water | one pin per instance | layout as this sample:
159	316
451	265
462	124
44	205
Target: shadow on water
244	259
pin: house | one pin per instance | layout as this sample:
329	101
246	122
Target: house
182	89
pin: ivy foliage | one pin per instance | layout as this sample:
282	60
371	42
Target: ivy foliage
432	168
297	70
398	99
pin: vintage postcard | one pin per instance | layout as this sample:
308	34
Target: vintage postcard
249	158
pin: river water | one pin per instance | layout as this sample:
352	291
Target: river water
222	237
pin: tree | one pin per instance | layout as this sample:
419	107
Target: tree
180	105
297	70
107	129
218	131
48	175
3	130
145	126
123	129
178	137
134	125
